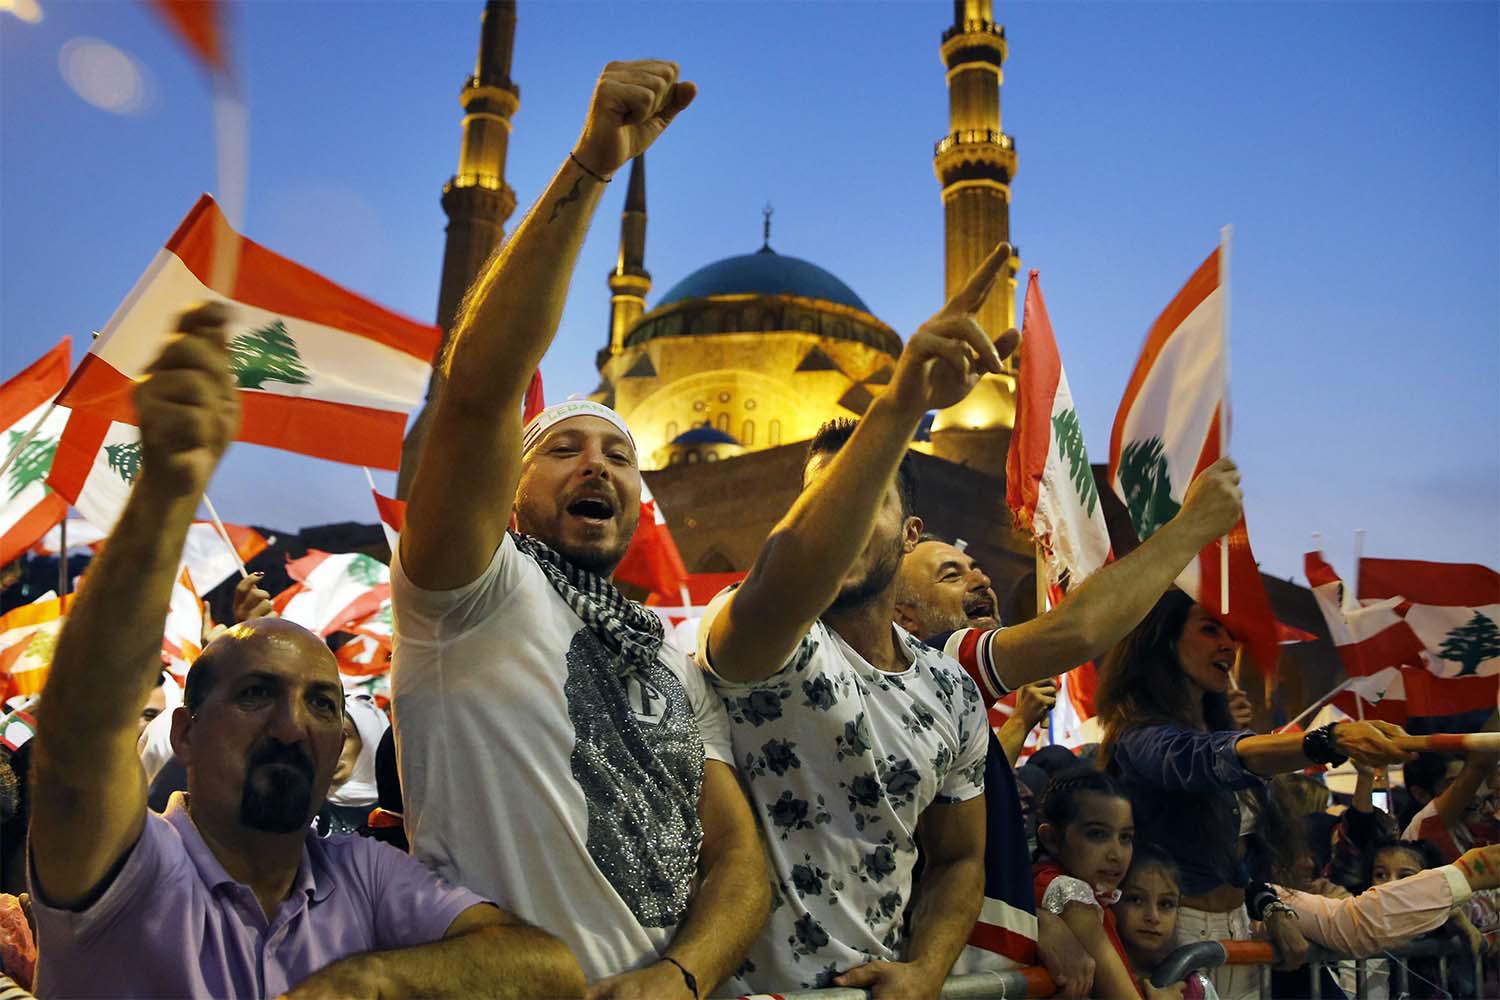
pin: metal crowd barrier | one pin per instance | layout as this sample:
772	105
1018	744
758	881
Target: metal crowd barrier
1035	982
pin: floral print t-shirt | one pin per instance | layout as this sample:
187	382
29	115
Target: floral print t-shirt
840	759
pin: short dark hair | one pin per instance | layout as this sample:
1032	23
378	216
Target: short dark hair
1147	855
834	434
1427	855
200	681
1426	769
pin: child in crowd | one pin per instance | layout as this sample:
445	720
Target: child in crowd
1084	845
1146	916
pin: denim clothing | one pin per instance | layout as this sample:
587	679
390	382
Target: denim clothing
1181	784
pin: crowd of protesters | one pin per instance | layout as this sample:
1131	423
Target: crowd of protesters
562	803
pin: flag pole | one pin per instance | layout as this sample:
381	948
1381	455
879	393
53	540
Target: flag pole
232	168
1040	564
15	452
369	478
1359	549
1224	234
224	534
62	557
1310	709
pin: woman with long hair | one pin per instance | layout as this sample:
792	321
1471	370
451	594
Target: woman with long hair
1196	781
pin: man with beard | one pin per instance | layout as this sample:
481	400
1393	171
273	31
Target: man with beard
943	595
229	894
857	741
554	753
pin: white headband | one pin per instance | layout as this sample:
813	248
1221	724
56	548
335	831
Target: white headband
567	410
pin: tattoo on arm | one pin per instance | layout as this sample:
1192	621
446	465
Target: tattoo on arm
574	193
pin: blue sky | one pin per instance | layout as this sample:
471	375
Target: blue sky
1354	147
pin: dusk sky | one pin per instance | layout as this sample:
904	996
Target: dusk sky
1355	148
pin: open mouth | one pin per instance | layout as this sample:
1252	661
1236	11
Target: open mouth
979	606
596	509
1224	665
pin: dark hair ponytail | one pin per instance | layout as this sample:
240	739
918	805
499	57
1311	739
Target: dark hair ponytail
1059	803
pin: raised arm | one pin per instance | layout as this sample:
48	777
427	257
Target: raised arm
1115	598
797	574
88	801
466	476
1455	799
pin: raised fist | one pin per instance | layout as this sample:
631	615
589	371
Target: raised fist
187	404
1214	500
945	358
633	103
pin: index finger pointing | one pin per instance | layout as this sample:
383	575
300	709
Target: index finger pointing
976	287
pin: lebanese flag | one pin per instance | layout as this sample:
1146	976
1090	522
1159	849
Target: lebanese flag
1049	484
652	561
333	591
1453	608
1381	695
207	559
27	507
1369	638
81	535
392	514
1167	431
96	465
28	637
182	636
200	25
321	371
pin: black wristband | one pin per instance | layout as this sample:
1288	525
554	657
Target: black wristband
602	180
687	977
1258	895
1321	747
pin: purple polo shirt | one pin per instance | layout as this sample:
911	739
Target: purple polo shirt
174	924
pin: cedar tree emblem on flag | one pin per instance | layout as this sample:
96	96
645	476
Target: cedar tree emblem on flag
1471	644
268	354
1147	484
32	464
368	570
1070	442
124	459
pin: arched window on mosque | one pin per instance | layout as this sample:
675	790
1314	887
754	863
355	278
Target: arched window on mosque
774	433
722	422
692	458
671	431
747	433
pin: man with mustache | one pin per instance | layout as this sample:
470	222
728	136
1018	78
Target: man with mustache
229	894
856	740
944	596
555	754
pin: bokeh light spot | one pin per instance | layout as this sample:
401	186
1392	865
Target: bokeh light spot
27	10
104	76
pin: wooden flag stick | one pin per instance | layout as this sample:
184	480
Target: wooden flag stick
1451	743
224	534
1310	709
1224	235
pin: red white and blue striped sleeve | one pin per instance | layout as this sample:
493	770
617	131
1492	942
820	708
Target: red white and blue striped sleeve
971	648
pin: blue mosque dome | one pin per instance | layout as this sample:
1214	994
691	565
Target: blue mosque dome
764	272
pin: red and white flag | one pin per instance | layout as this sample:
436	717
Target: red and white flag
1049	484
1167	431
652	561
1369	638
392	513
81	535
27	507
28	637
207	559
96	465
182	636
200	26
1454	609
333	591
321	371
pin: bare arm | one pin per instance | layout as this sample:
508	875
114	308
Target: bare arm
945	906
1033	702
727	912
1114	599
1455	799
1112	980
1367	743
483	953
88	792
466	476
797	573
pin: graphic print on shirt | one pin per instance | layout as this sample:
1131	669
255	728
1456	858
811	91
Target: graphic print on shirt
841	761
639	761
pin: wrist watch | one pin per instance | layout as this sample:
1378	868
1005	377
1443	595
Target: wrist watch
1321	747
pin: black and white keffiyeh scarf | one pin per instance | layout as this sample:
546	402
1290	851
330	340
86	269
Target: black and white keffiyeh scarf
633	634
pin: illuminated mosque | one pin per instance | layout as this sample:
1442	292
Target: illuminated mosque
726	375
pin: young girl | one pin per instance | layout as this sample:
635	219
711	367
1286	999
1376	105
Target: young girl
1146	917
1084	845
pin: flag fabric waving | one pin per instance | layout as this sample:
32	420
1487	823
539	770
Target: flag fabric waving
27	507
207	559
1453	608
652	561
28	635
333	591
1167	431
321	371
1369	638
182	636
1049	484
96	465
200	26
